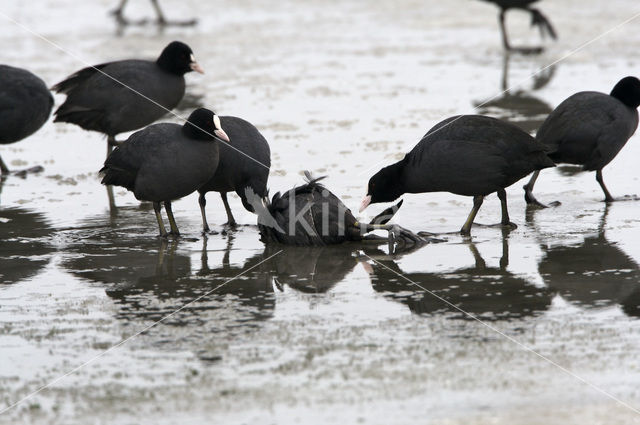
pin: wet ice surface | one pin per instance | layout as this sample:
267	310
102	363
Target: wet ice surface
327	334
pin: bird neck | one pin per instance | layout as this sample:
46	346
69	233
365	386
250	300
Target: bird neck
628	97
169	65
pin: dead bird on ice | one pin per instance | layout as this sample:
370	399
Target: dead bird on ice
310	215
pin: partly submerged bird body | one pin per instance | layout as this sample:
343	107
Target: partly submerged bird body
132	94
589	129
160	163
25	104
308	215
244	164
471	155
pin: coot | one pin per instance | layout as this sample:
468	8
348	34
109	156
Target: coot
589	129
537	19
245	165
25	105
310	215
470	155
166	161
116	97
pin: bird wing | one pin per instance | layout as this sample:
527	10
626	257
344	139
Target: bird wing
78	78
457	166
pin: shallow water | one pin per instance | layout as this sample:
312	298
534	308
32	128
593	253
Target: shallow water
343	334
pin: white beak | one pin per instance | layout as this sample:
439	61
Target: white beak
218	129
365	202
195	66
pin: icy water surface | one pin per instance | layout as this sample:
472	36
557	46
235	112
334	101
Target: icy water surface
336	334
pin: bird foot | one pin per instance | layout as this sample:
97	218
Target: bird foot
32	170
624	198
509	225
527	50
121	20
165	23
532	201
403	239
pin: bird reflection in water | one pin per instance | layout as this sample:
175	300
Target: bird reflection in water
485	292
25	244
311	269
595	273
516	105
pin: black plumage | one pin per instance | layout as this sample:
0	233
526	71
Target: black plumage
310	215
25	105
537	19
470	155
243	166
589	129
164	162
126	95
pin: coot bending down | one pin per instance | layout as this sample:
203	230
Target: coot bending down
589	129
243	166
470	155
25	105
164	162
310	215
537	18
133	93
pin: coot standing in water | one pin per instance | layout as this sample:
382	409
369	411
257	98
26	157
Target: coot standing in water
25	105
166	161
244	165
589	129
126	95
470	155
537	19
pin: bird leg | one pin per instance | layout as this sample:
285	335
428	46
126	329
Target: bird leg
503	30
3	168
477	203
111	141
230	220
203	203
502	195
157	208
163	22
607	195
543	24
528	193
505	39
172	220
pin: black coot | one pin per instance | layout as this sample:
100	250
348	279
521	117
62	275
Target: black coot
537	19
25	105
126	95
589	129
469	155
160	19
164	162
310	215
242	166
